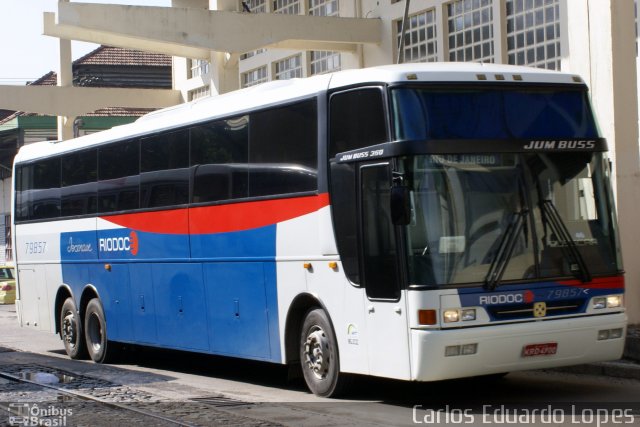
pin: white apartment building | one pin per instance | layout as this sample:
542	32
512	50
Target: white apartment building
521	32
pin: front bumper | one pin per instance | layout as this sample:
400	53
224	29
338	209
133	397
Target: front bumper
499	348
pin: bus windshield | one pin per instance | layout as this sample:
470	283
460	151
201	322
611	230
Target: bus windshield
484	112
486	217
532	210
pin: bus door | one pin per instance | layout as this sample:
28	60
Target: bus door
385	305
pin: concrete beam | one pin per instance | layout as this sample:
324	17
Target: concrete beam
76	101
65	79
69	32
190	32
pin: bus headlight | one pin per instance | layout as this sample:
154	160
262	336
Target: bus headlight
456	315
614	301
610	301
451	316
468	314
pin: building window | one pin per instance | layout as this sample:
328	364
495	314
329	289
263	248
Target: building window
323	7
324	61
254	77
420	44
290	7
198	67
288	68
533	33
470	30
200	92
255	6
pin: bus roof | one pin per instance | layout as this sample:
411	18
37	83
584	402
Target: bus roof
282	91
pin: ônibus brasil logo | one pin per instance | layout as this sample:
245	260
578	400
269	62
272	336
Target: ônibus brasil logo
120	244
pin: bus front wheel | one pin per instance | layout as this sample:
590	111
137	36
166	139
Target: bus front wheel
319	355
95	330
71	330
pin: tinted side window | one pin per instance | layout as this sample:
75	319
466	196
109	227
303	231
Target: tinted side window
344	207
79	183
118	169
164	173
219	155
42	183
21	212
283	150
379	261
357	119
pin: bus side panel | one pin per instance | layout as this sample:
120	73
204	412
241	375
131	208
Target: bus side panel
238	309
113	289
237	245
34	297
271	293
37	255
143	310
311	236
180	306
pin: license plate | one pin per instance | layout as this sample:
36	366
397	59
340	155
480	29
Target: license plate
544	349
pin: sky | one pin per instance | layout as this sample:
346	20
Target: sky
26	53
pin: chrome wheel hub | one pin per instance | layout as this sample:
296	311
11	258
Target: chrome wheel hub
69	328
316	352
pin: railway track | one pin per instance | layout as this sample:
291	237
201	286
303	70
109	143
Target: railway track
45	396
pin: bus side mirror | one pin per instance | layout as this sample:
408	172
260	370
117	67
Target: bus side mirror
400	205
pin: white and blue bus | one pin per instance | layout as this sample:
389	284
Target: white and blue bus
418	222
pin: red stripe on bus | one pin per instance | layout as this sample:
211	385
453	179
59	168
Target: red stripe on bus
616	282
175	221
221	218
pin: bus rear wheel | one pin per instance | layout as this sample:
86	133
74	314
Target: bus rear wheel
71	331
95	330
319	355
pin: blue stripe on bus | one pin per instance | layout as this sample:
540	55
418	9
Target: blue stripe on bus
126	244
219	307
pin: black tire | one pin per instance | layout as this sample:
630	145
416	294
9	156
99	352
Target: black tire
319	356
72	331
100	349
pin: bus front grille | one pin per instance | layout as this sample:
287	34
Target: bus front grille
527	310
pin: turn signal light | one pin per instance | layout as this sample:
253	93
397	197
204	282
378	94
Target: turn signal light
427	317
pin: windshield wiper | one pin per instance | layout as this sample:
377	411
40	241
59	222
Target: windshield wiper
566	243
505	250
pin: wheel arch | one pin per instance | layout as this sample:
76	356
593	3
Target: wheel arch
64	292
300	305
88	293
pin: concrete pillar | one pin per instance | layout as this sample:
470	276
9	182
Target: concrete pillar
224	73
65	79
601	47
625	90
181	66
